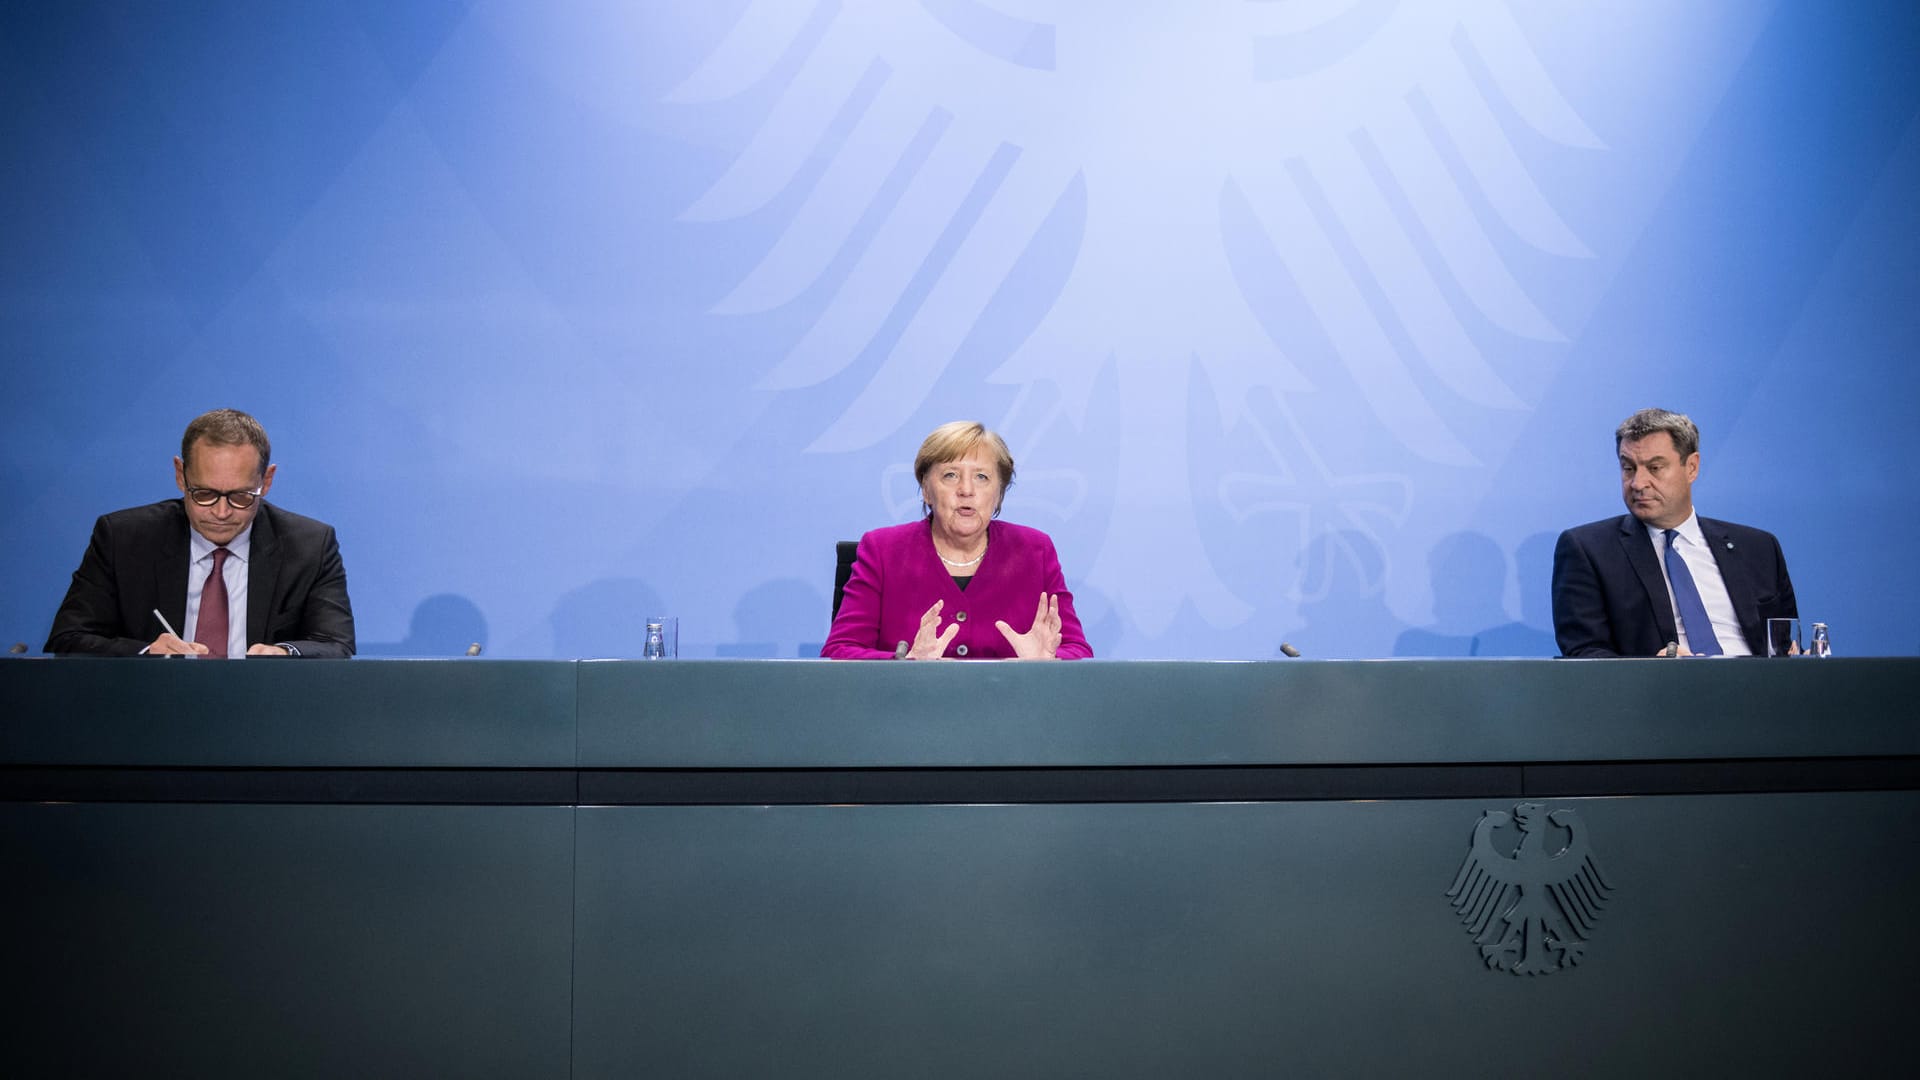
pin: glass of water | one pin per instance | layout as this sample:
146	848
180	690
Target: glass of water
663	638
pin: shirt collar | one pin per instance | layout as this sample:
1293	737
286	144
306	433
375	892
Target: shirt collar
237	547
1688	530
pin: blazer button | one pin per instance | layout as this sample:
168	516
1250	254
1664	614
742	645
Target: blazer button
959	616
961	651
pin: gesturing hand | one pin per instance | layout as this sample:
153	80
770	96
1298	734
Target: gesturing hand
930	643
1040	642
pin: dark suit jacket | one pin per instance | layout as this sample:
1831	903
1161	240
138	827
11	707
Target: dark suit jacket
137	561
1610	598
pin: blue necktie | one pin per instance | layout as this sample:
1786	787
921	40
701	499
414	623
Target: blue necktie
1693	613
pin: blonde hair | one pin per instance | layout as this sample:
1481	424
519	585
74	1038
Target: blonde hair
951	441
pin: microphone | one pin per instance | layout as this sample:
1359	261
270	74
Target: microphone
473	649
900	651
1288	650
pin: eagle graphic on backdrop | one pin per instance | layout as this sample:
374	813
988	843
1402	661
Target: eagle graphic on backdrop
1532	909
1315	116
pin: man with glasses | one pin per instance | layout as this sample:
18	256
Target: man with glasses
218	572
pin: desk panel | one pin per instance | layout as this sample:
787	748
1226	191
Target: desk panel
151	711
287	941
822	714
1744	935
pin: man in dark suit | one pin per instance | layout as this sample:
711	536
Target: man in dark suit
1661	576
235	574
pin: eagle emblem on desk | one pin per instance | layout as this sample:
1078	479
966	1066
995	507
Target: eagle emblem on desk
1530	908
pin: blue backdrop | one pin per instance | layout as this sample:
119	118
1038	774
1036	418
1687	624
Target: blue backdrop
1305	321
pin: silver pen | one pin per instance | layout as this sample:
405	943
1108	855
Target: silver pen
168	627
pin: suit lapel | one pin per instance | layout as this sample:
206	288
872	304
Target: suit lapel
1646	566
262	569
170	573
1733	574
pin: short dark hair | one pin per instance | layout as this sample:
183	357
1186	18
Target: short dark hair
226	427
1686	437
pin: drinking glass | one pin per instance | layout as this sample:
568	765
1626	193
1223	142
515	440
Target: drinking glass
663	638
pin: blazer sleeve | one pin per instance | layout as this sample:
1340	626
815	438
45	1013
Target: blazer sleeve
1579	605
325	626
857	627
1783	601
89	618
1073	638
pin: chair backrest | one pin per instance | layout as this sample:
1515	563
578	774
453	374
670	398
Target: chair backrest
844	551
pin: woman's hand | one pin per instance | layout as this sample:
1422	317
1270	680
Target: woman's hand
931	642
1040	642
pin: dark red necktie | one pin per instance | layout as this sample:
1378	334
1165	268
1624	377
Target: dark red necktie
210	629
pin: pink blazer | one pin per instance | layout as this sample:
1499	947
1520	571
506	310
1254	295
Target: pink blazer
899	576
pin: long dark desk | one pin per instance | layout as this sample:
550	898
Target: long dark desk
505	868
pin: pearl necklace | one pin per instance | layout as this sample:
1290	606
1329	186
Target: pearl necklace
969	562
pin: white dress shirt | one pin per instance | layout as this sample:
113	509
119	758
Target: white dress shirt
200	564
1691	545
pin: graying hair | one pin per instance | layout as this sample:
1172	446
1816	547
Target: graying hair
1686	437
226	427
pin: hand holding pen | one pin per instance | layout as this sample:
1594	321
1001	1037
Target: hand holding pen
171	643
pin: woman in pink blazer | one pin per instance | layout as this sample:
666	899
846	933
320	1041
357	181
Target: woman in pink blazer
958	584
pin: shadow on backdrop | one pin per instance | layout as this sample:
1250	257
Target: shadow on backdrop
1343	599
1533	634
445	624
1469	578
606	619
777	618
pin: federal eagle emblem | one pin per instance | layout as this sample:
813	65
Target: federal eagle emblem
1531	910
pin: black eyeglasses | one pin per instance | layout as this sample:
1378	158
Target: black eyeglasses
239	498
